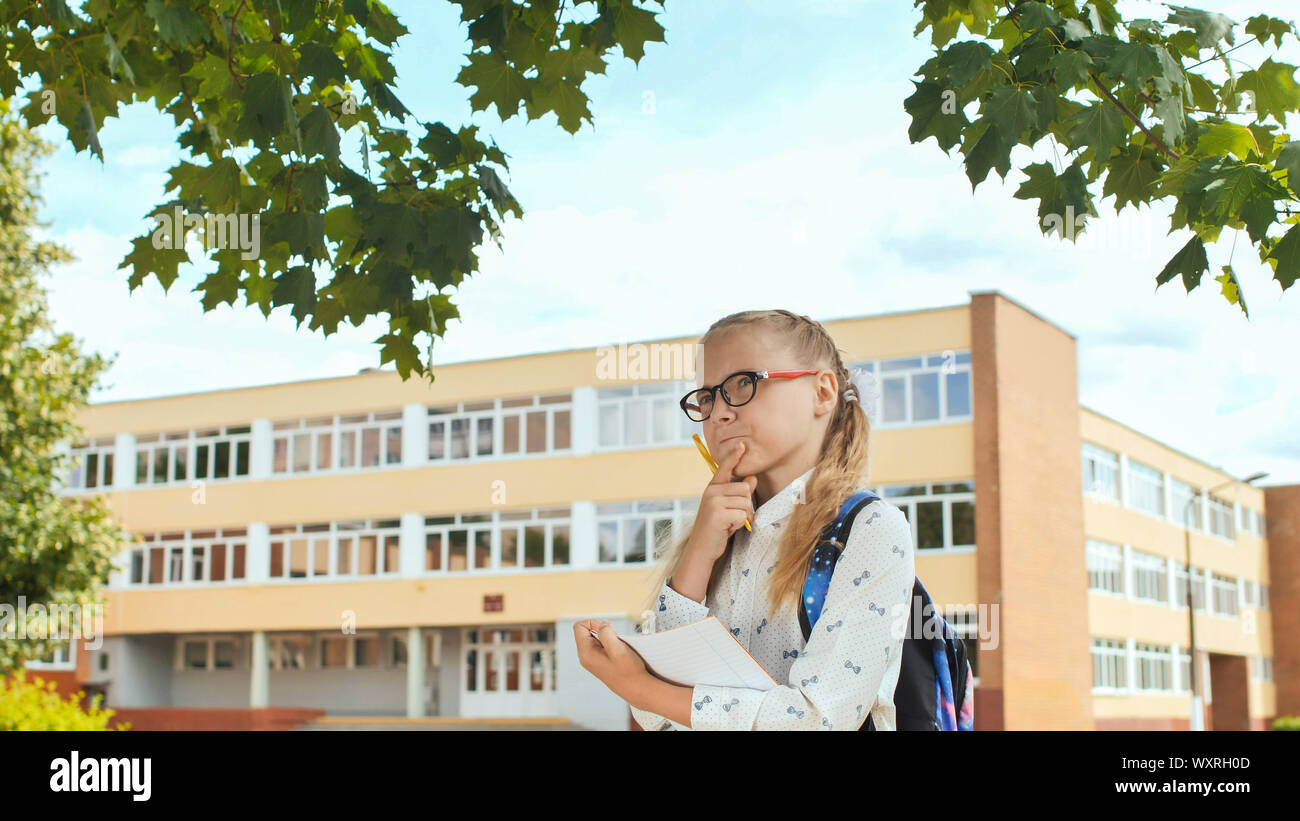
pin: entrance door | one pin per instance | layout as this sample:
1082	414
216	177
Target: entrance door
508	671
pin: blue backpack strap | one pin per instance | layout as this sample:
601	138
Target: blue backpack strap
948	712
825	555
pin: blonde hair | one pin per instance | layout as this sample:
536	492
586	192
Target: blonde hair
840	469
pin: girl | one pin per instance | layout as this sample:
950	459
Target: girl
778	407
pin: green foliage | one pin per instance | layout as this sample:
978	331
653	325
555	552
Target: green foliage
37	705
54	550
1286	723
1125	106
289	82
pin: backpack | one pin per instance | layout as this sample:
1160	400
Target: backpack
934	680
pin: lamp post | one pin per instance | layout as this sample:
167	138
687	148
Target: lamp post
1198	714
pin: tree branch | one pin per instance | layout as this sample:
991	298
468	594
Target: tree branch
1136	120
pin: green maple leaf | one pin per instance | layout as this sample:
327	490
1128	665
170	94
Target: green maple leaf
1289	160
1237	191
1261	27
1034	15
1227	138
566	100
965	60
1099	126
1134	63
178	26
399	349
321	62
1285	258
1274	87
296	287
1210	27
319	136
634	27
1015	110
990	150
496	83
573	64
116	61
86	125
1072	67
1131	176
1231	289
144	259
265	112
935	114
1190	263
219	287
1061	198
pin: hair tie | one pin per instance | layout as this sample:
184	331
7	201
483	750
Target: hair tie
863	390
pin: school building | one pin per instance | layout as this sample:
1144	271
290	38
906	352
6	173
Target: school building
364	546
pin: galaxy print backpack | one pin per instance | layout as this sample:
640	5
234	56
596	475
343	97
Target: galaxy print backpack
933	691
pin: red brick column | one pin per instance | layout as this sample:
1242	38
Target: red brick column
1030	557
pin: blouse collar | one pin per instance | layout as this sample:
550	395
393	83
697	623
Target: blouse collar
782	503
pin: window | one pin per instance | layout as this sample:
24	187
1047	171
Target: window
193	455
1146	489
1184	661
92	464
942	514
192	557
1180	587
1221	517
639	532
62	656
334	651
1184	511
921	390
1252	522
1261	668
1109	667
339	549
1100	473
965	623
338	442
644	414
514	659
287	652
529	538
1150	577
492	428
209	652
1223	594
1105	566
1154	667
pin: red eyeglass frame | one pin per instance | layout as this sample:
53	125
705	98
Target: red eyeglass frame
713	391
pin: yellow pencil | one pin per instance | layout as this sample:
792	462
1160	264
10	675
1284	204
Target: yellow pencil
704	451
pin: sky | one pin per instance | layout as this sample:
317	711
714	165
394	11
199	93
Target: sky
757	159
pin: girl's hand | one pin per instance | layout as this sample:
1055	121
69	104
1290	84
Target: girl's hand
724	506
610	659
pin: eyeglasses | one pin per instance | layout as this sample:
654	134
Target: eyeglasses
737	389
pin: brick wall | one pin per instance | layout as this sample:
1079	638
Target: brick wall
1282	509
1030	556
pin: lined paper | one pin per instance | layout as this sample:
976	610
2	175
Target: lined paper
702	652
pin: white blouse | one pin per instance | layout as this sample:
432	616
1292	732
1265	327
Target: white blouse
849	665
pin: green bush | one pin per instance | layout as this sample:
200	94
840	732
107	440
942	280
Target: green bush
1286	723
37	705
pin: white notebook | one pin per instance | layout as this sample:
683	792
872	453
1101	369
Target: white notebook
702	652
